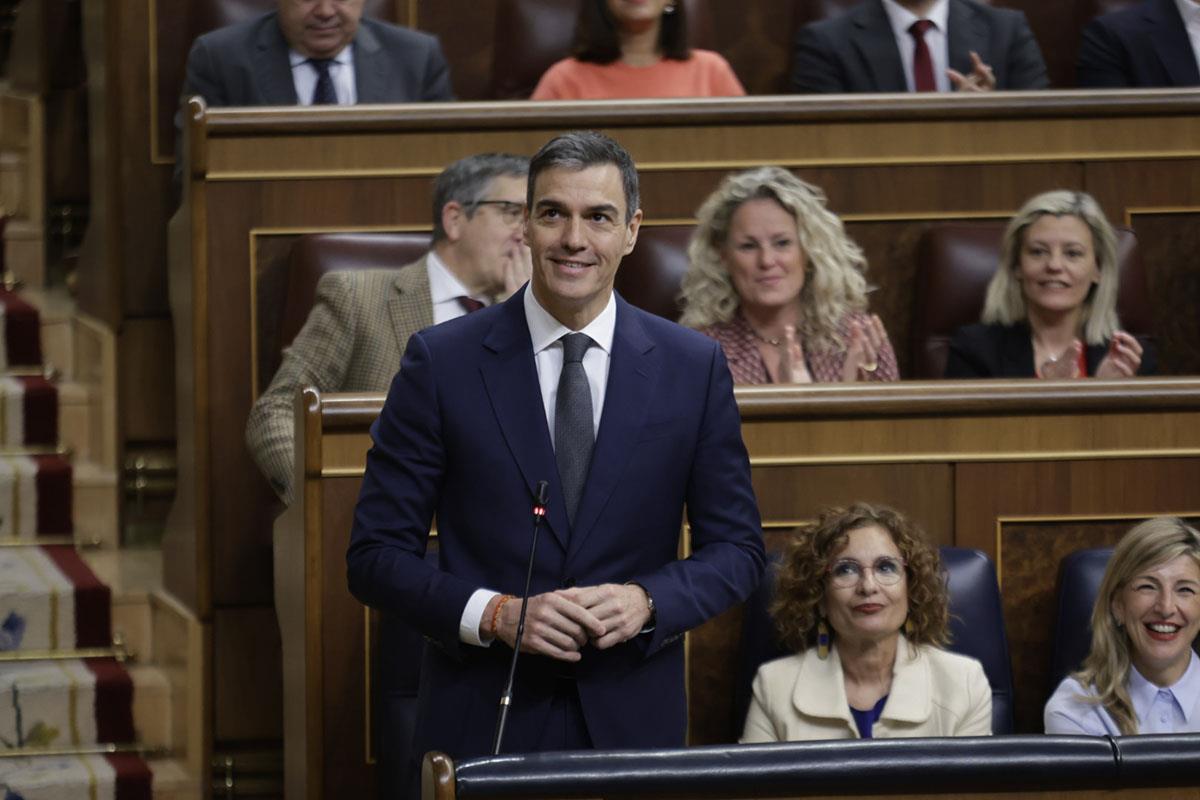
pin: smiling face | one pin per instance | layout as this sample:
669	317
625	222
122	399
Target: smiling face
763	255
1057	264
1159	609
867	611
577	234
319	28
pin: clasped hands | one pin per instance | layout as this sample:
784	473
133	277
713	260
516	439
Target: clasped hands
558	624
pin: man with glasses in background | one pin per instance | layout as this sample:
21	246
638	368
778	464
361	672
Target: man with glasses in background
361	319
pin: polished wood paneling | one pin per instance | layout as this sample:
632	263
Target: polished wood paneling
147	380
1167	242
247	697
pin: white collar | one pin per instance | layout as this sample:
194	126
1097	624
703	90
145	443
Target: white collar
902	19
443	285
1185	690
545	330
345	57
1190	12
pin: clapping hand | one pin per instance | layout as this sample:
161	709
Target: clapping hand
1064	365
981	79
862	355
1123	358
792	366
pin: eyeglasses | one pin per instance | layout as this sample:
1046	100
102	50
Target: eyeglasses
510	212
847	572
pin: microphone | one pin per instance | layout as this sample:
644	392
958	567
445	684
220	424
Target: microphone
541	498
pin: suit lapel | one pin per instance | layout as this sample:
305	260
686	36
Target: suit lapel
273	70
1171	44
632	374
873	38
371	83
967	31
410	305
511	379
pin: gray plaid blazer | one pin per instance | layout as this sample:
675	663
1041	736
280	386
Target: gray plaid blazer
352	341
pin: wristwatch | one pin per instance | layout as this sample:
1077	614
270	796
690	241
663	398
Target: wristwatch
653	618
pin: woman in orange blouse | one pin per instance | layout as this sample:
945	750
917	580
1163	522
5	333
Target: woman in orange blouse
636	48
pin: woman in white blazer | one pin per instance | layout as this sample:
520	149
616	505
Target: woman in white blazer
861	597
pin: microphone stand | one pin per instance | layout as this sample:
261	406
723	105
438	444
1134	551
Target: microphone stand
539	513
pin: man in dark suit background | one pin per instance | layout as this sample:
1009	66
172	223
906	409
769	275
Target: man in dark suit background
957	45
316	51
1155	43
630	425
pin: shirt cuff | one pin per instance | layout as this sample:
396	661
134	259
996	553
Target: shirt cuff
468	626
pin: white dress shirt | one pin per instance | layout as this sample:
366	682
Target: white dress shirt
341	72
445	289
546	334
935	39
1190	11
1159	709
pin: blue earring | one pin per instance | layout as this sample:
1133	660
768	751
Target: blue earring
822	640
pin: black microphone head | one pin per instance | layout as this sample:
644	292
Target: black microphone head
543	492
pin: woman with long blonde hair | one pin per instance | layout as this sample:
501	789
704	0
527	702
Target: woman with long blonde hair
775	279
1141	675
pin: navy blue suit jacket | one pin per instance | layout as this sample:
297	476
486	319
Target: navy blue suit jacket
463	438
856	51
1144	46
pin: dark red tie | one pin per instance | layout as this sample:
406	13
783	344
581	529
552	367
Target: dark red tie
922	62
469	304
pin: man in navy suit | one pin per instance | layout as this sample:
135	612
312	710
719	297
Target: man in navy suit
1155	43
472	424
316	51
881	46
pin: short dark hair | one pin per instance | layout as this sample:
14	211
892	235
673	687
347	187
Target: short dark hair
465	181
578	150
596	37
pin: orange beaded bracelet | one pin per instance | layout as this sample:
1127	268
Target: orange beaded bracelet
496	614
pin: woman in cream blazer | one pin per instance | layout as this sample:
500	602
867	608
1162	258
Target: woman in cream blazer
861	596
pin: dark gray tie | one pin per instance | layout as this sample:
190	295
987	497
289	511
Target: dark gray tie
574	433
323	94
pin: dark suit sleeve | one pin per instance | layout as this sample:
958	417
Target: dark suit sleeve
437	75
815	68
201	76
727	559
968	354
1026	67
1102	62
385	562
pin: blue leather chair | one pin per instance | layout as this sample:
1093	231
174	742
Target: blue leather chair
1079	576
976	630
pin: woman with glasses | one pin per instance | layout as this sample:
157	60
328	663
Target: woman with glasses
861	598
636	48
1141	675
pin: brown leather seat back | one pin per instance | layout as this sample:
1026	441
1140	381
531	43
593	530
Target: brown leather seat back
651	275
285	299
533	34
955	261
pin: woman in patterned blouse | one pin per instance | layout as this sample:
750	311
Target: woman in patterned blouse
777	282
